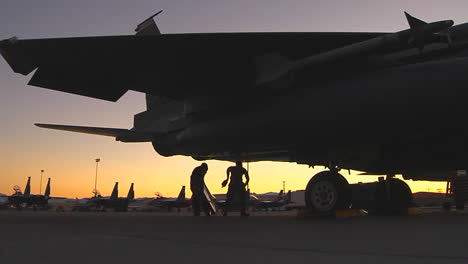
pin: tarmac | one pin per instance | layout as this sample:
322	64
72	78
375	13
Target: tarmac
272	237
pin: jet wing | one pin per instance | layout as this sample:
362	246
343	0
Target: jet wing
171	65
124	135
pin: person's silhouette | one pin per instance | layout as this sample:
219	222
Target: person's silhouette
197	185
236	187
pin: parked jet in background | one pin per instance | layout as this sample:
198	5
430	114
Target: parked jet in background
170	203
99	203
3	201
279	201
21	200
382	103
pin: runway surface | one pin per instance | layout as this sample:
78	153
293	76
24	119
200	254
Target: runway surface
50	237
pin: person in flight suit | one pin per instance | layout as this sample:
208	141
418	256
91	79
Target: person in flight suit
236	187
197	185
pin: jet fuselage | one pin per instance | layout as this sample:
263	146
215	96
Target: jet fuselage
396	119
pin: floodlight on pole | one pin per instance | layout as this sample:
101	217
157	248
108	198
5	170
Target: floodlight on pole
284	189
95	178
40	183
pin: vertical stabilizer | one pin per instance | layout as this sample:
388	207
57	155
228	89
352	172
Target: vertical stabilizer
47	190
131	193
148	26
413	22
27	190
181	196
280	196
115	191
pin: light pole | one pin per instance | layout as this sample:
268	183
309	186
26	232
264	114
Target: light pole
95	179
284	189
40	184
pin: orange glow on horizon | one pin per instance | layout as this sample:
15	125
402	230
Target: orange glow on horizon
72	174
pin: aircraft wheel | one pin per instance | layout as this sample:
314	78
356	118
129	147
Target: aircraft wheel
326	192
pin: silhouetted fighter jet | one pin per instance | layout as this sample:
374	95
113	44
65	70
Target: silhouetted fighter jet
22	200
118	204
281	200
382	103
170	203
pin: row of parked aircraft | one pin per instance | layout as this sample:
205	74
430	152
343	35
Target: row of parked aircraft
20	200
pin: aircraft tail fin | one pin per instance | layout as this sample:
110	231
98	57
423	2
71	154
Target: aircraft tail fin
181	196
27	189
47	190
414	22
148	26
115	191
131	193
280	195
288	197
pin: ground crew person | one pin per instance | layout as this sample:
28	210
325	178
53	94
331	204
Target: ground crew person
236	187
197	186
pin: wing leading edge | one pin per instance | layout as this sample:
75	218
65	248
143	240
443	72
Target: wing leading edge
120	134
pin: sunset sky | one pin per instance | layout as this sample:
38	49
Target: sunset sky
68	158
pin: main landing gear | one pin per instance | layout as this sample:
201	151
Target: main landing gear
328	191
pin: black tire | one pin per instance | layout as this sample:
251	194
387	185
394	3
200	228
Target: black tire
400	195
326	192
